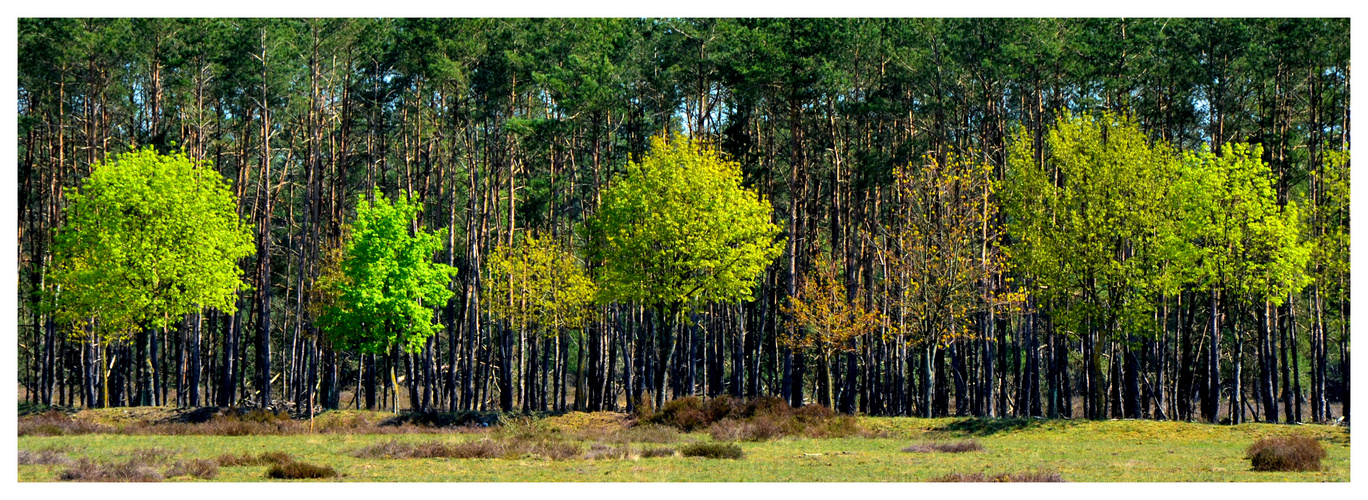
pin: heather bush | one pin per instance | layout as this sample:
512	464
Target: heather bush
650	433
1006	477
56	423
246	459
1287	453
300	470
686	414
43	457
600	451
198	468
89	470
945	447
657	452
712	450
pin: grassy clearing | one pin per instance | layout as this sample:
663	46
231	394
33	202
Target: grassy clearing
607	448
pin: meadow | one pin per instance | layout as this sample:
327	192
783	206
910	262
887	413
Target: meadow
791	445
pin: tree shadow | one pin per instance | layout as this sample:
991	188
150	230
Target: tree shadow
991	426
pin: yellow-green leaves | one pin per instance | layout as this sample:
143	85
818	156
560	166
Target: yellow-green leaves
943	246
1093	224
539	285
1236	237
149	238
830	321
388	282
680	229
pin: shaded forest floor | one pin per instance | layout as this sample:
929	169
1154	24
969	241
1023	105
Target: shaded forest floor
162	444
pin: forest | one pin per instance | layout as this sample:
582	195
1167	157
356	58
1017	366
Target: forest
1063	218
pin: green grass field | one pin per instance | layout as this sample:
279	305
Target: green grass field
1078	450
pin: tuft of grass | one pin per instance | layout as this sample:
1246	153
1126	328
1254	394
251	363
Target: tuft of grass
128	471
1287	453
950	447
300	470
154	454
1005	477
197	468
712	450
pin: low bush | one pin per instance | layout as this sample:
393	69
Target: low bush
1006	477
300	470
1287	453
657	452
762	428
398	449
950	447
56	423
712	450
246	459
43	457
89	470
197	468
650	433
600	451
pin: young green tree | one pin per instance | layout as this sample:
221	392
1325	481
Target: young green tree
149	239
1093	226
388	282
679	229
1236	243
540	285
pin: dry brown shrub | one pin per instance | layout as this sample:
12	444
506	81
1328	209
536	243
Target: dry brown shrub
43	457
712	450
56	423
650	433
658	452
600	451
484	448
129	471
198	468
300	470
246	459
1287	453
945	447
1006	477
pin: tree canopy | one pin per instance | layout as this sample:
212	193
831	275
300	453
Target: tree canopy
388	282
148	239
539	284
679	228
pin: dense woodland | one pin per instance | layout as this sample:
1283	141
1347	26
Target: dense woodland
506	129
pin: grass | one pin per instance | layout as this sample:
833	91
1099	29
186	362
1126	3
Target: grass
608	450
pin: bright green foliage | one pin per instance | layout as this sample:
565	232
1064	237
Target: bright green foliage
1331	248
680	229
388	282
1235	236
149	238
1093	225
540	285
